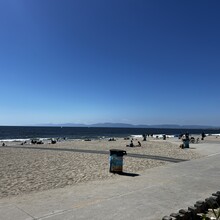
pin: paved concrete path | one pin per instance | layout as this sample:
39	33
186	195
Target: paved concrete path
157	192
96	152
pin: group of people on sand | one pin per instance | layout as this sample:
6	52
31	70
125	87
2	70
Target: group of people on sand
132	144
186	139
146	135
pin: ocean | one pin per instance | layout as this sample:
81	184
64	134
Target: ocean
13	133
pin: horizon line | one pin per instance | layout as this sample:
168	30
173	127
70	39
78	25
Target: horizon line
115	125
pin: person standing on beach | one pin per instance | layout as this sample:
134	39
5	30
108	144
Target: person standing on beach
203	136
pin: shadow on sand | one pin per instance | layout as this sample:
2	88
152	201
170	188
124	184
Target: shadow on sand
129	174
126	174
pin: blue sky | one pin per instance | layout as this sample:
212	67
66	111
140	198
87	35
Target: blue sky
128	61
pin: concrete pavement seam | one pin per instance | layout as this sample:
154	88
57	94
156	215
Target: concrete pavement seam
53	214
24	212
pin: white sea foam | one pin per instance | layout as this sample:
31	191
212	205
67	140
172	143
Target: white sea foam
154	136
24	139
137	136
14	140
161	136
158	136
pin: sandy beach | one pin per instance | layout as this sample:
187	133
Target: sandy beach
31	168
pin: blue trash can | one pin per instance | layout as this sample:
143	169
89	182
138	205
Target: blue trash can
186	143
116	160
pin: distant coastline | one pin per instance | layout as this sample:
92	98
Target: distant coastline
124	125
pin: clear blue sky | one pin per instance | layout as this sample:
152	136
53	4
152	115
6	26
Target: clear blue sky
128	61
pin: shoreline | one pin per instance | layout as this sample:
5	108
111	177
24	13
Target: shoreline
60	139
33	168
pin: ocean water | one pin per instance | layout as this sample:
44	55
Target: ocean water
12	133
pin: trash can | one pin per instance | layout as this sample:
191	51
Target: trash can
186	143
116	160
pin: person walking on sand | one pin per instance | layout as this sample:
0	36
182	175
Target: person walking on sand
203	136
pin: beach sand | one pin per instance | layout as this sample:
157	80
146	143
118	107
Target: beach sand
31	168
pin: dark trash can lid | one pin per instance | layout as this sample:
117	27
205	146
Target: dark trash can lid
117	152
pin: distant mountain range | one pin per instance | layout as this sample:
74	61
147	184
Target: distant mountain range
124	125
